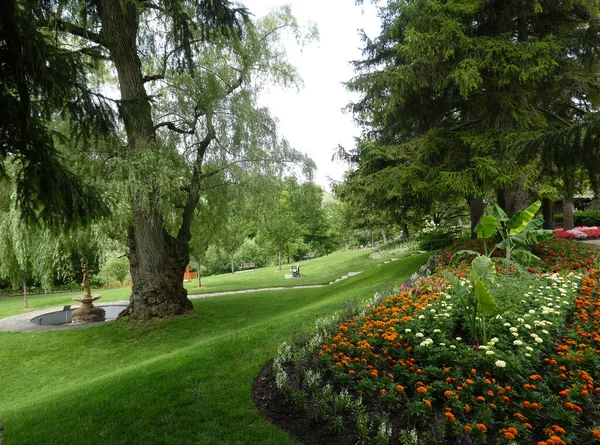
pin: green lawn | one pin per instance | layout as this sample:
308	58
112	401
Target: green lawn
179	381
317	271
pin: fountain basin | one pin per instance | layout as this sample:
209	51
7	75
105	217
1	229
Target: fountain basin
63	317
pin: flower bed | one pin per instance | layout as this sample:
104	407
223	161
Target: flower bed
404	370
582	232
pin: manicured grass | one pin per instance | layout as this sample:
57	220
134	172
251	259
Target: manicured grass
317	271
185	380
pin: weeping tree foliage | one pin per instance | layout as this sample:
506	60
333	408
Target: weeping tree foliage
448	87
39	80
187	74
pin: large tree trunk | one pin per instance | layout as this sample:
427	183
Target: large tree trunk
516	197
568	208
548	212
476	206
405	232
157	259
383	236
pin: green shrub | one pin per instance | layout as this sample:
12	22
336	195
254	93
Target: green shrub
437	238
582	218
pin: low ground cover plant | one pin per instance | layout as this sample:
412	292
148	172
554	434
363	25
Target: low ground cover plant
581	232
395	249
405	369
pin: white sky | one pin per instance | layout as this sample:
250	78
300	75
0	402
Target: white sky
312	119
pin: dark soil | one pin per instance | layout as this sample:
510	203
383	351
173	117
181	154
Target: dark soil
276	410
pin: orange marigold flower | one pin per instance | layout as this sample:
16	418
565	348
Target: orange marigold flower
558	430
427	402
399	388
448	393
473	371
556	440
509	435
382	392
422	389
490	393
505	399
513	430
351	372
480	399
467	428
520	416
528	425
374	373
469	381
535	377
596	433
446	370
482	427
493	405
449	416
467	408
564	392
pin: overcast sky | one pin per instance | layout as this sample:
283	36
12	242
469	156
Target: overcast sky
312	119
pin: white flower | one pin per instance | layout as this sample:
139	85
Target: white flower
520	320
517	342
529	348
513	329
435	331
528	326
442	344
539	340
432	310
516	334
421	317
506	325
494	340
407	330
427	342
489	352
418	335
544	331
483	347
500	363
458	338
527	354
452	347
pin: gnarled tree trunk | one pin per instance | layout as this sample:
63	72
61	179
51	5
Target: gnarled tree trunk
157	259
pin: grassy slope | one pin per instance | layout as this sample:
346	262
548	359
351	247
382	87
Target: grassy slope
179	381
318	271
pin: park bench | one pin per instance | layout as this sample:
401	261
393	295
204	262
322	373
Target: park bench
248	266
310	256
295	270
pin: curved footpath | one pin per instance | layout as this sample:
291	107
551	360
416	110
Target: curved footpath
21	323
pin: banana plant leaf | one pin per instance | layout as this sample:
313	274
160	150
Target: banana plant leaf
522	218
486	226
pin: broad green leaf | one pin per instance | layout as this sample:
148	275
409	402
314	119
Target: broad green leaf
483	269
485	299
496	211
524	257
522	218
463	252
486	226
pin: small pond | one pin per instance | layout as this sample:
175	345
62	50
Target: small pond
64	316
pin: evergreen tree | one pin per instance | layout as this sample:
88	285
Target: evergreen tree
448	87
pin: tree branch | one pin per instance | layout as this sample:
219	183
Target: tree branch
78	31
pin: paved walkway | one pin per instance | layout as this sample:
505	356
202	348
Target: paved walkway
22	323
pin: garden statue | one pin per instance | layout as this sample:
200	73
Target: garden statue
87	313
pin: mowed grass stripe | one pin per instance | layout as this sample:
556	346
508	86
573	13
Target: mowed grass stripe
181	381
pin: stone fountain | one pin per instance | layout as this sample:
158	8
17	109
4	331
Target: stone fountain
87	313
